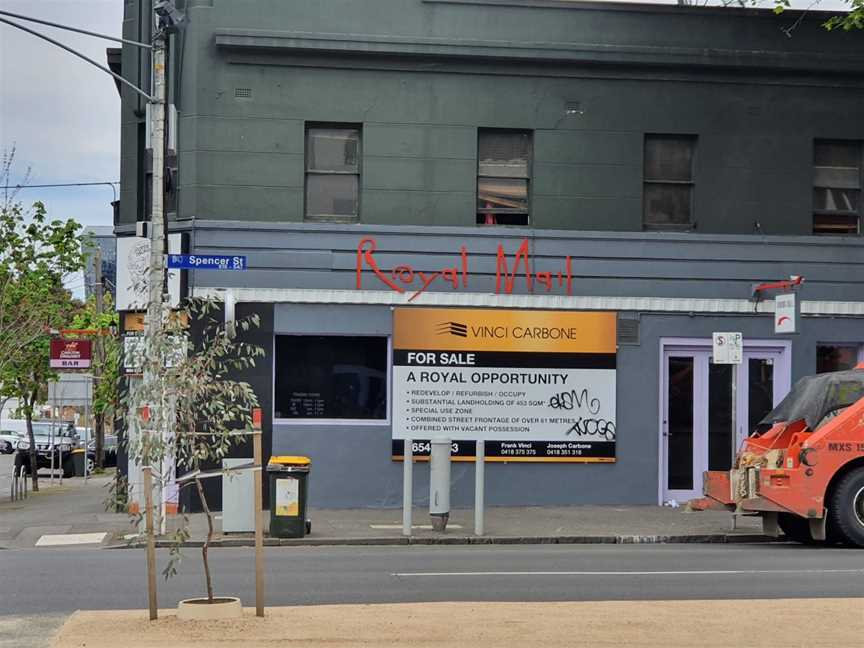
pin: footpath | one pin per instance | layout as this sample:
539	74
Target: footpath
74	513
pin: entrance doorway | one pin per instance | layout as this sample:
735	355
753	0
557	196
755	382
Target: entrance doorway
697	400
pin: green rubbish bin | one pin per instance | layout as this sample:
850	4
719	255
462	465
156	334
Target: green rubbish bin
289	488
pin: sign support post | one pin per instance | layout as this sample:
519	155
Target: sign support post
407	486
479	486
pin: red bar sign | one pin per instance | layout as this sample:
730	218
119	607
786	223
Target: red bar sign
70	354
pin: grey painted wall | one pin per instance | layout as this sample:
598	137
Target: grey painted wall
352	465
621	264
421	76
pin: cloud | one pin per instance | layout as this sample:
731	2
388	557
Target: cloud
61	113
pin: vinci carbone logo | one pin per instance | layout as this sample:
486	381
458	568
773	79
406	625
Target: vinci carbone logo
452	328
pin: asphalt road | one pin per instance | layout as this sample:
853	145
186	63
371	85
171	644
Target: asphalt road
65	579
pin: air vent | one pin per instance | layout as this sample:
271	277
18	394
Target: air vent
628	330
242	93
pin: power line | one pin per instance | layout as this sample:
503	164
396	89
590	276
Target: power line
75	29
66	184
60	184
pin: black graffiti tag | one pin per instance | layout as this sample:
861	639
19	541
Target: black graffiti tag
593	427
574	399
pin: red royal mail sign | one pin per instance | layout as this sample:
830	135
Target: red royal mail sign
70	354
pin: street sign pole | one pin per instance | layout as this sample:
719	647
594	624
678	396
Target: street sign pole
407	486
479	487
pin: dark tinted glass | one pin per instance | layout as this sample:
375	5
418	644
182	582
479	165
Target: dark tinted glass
331	377
835	357
760	390
720	433
679	464
667	204
837	154
669	158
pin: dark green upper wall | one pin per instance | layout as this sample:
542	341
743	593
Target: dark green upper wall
422	76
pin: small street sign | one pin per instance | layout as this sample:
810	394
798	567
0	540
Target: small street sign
206	262
728	348
70	354
785	320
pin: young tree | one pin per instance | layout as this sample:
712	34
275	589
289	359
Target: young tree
106	364
195	404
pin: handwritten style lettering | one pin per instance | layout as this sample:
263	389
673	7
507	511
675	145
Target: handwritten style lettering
404	277
575	399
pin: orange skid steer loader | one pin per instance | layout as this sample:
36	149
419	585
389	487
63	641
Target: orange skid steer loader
802	469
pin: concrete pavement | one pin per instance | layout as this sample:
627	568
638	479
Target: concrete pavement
73	507
78	508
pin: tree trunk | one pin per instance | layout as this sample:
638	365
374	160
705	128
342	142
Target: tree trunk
207	541
34	466
99	425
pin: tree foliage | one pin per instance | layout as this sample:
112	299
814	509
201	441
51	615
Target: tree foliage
35	256
106	363
853	19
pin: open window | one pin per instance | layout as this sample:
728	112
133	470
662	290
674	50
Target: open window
503	176
837	179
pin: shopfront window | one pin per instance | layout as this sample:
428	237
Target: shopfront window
836	357
331	377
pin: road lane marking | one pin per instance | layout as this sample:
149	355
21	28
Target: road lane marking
413	526
70	539
716	572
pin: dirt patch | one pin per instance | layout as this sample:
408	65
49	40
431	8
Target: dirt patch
814	623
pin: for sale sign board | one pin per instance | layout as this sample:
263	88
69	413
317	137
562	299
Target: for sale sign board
70	354
535	385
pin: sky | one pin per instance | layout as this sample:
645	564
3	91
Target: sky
63	115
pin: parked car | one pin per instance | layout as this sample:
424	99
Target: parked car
55	440
109	450
9	441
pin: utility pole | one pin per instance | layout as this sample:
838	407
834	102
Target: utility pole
153	323
98	419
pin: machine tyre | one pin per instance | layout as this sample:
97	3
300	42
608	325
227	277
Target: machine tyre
796	528
846	508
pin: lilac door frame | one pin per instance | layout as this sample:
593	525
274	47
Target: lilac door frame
782	378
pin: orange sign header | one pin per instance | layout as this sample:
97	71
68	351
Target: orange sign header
457	329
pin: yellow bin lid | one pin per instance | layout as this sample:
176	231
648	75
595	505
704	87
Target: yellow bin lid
285	460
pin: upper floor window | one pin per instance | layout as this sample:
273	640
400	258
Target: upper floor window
668	181
837	178
503	176
332	173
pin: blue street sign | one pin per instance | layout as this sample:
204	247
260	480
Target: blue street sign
206	262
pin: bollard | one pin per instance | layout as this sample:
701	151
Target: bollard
439	483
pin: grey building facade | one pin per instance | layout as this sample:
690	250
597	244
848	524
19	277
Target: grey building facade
662	159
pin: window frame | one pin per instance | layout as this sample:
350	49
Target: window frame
331	218
529	181
822	212
671	227
386	421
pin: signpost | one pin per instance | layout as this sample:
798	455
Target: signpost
206	262
533	385
70	354
729	349
785	314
